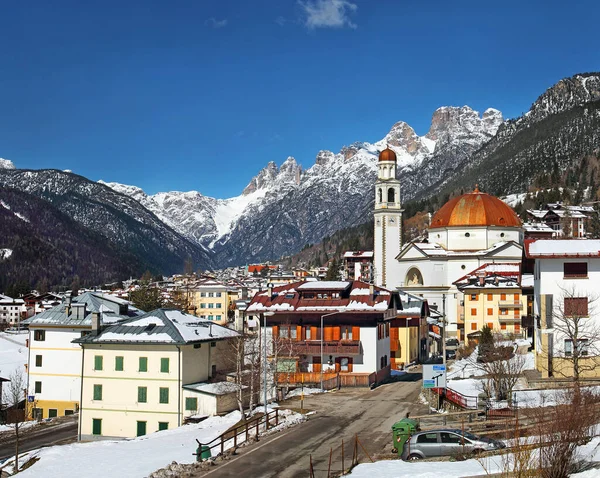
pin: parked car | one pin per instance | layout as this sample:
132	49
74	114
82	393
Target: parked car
447	442
450	354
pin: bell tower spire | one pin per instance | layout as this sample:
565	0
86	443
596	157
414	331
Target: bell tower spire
387	215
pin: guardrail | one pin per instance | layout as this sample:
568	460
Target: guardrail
457	398
250	427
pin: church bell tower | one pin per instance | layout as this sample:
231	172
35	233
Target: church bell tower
388	217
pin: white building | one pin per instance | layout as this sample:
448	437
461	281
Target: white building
467	232
150	372
11	311
54	368
566	293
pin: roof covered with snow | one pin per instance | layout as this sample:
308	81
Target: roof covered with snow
161	326
325	296
548	248
217	388
432	249
492	275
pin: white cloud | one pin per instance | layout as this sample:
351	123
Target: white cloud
213	22
328	13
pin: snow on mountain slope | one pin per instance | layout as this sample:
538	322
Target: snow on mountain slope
305	205
6	164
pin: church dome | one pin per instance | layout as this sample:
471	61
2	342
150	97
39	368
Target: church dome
475	209
387	155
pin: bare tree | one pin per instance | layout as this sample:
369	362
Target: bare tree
576	333
502	366
15	395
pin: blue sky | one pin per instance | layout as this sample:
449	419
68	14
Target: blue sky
201	95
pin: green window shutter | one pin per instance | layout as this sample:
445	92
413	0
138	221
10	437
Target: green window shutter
97	392
38	387
191	404
164	395
96	426
164	365
38	360
52	413
143	364
141	428
98	362
163	426
119	364
142	394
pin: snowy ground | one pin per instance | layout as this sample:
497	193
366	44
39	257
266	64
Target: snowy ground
137	457
13	353
457	469
307	391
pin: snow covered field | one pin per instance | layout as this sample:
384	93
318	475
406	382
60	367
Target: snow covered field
13	353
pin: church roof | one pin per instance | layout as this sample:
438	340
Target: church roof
475	209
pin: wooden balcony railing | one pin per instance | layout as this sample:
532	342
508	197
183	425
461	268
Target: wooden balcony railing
313	347
506	304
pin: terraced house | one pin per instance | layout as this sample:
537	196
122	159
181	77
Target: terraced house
150	372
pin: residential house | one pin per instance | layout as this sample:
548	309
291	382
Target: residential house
358	265
492	296
409	332
11	311
354	339
566	278
209	299
54	368
150	372
565	221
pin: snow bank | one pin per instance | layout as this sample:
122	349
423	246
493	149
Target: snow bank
137	457
13	353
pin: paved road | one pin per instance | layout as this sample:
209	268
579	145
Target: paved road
340	415
41	435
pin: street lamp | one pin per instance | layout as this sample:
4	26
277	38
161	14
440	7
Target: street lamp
265	315
323	333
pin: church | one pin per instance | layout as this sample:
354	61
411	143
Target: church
468	232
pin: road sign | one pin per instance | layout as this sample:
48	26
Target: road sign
31	398
434	376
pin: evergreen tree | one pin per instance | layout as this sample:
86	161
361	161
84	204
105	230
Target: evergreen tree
333	272
147	298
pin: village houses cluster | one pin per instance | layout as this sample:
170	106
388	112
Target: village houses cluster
129	372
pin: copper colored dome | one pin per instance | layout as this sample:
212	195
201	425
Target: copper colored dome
387	155
475	209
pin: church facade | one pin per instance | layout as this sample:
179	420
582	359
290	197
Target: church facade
468	232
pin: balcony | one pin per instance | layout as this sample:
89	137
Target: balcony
505	304
509	319
313	347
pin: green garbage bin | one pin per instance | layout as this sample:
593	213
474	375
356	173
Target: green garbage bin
401	431
202	453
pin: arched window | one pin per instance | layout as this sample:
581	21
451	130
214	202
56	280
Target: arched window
391	195
380	195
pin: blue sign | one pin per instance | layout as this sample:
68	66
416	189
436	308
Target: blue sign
30	398
439	368
428	383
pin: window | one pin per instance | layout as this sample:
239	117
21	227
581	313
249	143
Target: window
211	317
142	394
211	294
213	344
490	297
203	306
490	312
346	332
141	428
39	335
69	412
502	325
582	347
163	426
218	305
344	364
576	306
119	364
502	296
218	317
568	347
38	360
143	364
575	270
467	234
211	305
164	365
191	404
490	325
473	296
163	395
517	328
503	311
427	437
473	311
517	298
473	326
38	387
97	362
307	332
202	294
217	294
450	438
52	413
97	392
96	426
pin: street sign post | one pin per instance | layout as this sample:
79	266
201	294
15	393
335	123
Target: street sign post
434	376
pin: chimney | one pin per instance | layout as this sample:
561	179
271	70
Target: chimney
96	324
371	290
270	289
67	301
481	280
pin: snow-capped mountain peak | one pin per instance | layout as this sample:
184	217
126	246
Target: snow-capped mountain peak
6	164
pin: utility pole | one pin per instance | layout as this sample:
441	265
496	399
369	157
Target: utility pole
444	329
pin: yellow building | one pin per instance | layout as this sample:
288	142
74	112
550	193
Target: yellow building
209	300
409	332
492	296
148	373
54	368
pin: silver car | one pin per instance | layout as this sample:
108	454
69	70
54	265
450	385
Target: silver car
447	442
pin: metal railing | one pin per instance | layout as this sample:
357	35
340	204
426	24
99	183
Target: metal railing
457	398
247	429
